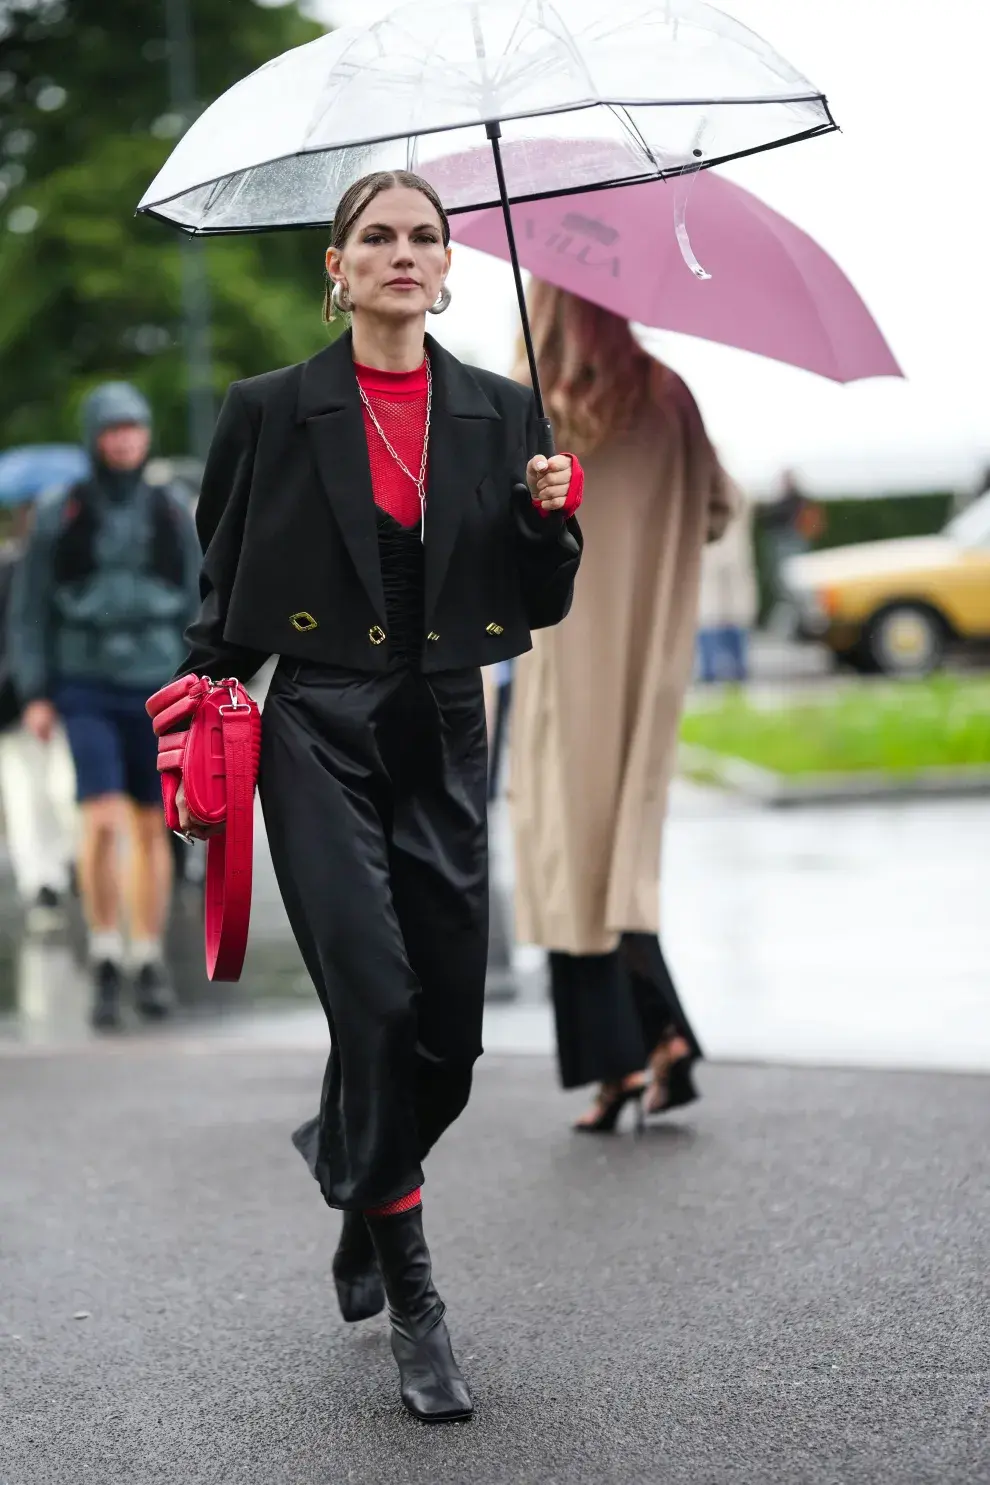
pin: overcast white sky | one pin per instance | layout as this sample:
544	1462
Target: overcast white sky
900	200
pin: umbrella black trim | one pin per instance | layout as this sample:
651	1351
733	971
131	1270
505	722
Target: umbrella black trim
606	103
632	180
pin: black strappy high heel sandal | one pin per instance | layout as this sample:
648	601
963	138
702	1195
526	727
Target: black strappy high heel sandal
610	1106
671	1087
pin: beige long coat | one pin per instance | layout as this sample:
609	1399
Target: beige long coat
596	703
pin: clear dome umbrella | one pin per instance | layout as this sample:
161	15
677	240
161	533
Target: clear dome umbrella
493	102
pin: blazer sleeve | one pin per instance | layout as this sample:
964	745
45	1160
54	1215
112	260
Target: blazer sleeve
220	516
548	545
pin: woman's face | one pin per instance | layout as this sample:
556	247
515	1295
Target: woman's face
393	263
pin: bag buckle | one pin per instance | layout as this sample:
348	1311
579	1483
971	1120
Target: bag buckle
230	686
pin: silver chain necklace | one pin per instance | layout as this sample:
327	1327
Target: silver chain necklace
418	480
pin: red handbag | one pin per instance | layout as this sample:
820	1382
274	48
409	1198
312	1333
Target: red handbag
217	760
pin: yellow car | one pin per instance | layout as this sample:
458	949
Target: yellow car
893	606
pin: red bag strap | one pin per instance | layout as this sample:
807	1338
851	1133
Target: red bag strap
230	856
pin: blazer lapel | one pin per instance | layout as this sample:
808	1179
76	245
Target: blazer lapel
331	409
460	457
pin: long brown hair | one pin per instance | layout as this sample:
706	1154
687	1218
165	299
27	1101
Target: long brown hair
596	378
360	195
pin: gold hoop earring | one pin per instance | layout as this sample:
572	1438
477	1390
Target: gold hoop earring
442	302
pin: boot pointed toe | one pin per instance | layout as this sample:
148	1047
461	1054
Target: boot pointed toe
356	1275
361	1297
430	1382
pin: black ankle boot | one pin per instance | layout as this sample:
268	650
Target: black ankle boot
108	982
356	1275
153	993
432	1387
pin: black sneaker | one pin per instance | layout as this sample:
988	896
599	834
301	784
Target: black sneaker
108	982
153	993
45	912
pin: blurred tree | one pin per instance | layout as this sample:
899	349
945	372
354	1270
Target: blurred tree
88	291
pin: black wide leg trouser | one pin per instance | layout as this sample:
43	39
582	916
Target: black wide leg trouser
611	1010
373	789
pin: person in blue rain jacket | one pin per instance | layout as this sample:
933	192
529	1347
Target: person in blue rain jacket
108	583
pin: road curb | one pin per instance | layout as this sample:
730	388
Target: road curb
778	791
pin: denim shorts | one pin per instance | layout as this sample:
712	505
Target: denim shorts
113	744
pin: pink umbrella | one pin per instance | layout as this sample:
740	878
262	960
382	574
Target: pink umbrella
772	289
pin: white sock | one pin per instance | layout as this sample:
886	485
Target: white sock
106	943
145	951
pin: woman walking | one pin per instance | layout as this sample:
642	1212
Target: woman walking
596	707
373	517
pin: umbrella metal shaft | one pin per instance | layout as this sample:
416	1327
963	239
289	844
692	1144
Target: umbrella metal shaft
546	445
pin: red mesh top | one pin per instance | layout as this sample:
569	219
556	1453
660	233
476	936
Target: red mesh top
399	401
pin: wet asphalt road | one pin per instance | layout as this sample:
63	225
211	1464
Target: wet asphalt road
785	1284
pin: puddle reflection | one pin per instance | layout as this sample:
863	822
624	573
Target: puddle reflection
45	989
846	935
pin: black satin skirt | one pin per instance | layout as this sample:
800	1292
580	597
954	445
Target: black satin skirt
374	794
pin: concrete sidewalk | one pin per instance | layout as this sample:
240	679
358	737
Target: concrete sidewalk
787	1284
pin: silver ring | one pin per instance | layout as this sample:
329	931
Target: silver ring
190	840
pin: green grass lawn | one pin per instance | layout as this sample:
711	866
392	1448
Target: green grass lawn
896	728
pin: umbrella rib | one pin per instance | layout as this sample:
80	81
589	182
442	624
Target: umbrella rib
521	75
628	123
564	37
353	71
463	94
503	60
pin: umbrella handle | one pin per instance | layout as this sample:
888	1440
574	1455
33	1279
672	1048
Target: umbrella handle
545	444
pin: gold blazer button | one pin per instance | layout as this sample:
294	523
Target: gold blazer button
433	636
302	621
494	629
376	634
